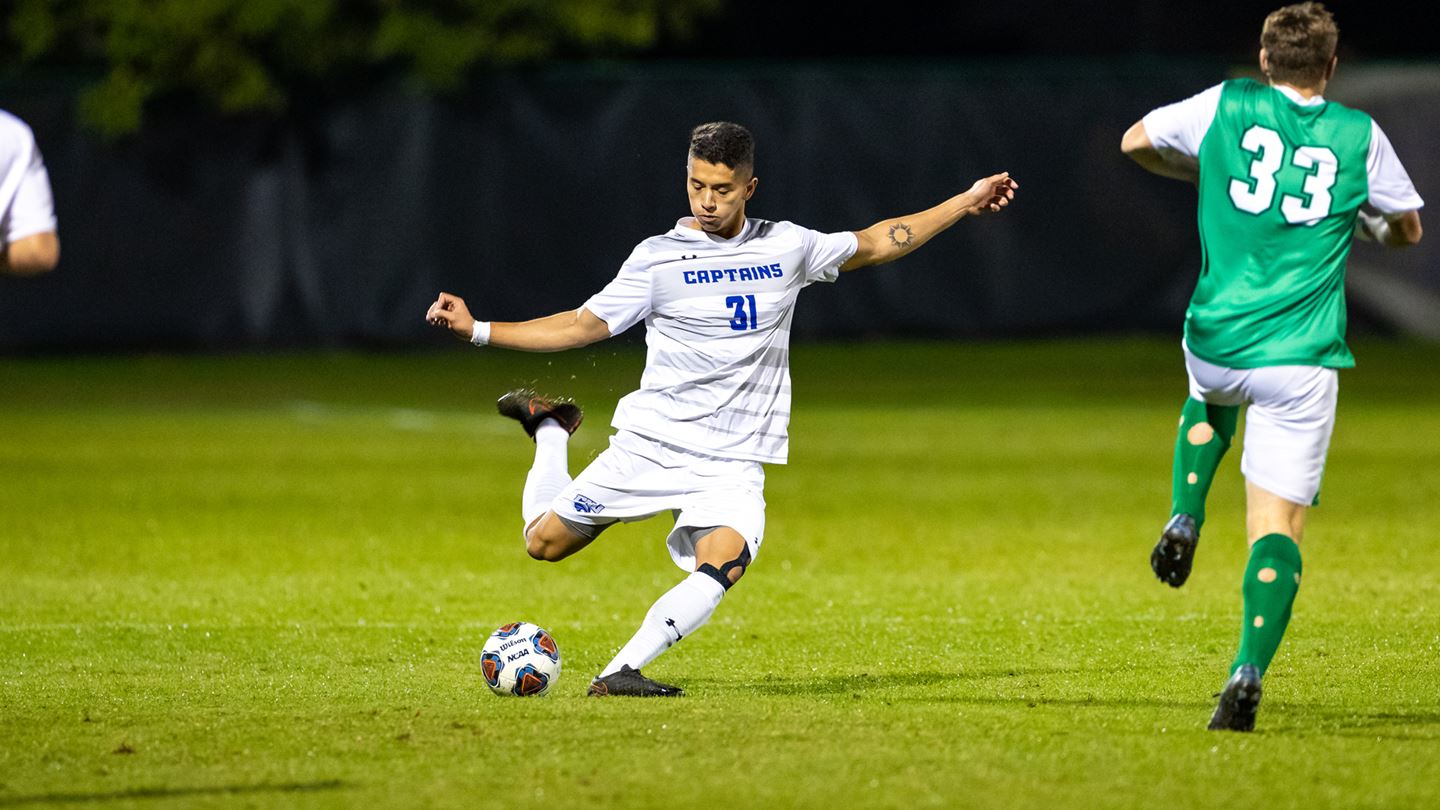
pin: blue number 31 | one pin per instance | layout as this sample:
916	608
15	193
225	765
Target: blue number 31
742	320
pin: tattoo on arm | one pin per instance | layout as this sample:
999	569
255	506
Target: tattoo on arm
900	235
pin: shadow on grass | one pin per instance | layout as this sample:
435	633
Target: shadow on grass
1284	718
938	687
863	682
171	793
1419	724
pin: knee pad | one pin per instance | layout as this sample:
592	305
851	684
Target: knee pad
722	574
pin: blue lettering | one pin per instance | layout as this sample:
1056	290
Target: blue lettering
740	322
733	274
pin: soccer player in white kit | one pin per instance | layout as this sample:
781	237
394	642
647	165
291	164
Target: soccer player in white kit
28	242
717	294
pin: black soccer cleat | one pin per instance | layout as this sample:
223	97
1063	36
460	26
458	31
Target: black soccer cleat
629	682
1238	701
530	409
1175	552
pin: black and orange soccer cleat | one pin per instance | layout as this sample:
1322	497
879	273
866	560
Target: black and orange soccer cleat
1175	551
1239	701
530	409
629	682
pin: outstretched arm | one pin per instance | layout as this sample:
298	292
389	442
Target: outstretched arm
554	333
1165	162
889	239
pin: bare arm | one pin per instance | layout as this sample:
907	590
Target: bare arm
889	239
553	333
31	255
1405	230
1165	162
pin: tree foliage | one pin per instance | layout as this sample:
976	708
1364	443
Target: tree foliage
268	55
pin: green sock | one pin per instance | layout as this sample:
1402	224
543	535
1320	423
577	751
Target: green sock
1205	434
1272	578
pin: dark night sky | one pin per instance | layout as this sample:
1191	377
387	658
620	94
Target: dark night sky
1225	29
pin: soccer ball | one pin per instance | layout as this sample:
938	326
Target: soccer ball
520	659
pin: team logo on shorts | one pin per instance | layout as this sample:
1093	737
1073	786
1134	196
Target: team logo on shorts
589	507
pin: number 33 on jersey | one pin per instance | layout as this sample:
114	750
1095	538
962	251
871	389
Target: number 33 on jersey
1255	194
1281	180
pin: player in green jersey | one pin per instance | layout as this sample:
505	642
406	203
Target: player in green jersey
1282	174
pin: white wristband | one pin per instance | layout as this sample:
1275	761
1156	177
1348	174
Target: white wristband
1371	227
480	333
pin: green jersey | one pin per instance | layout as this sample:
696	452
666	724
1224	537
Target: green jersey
1280	184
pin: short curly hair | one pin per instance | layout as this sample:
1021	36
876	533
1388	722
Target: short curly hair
1299	41
723	142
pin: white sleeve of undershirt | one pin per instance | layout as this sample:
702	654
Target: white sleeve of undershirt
1182	126
1391	191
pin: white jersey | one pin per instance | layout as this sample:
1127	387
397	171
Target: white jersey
26	207
717	323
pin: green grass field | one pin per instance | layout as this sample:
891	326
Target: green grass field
265	581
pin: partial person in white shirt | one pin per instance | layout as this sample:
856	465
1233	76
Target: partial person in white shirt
28	241
717	294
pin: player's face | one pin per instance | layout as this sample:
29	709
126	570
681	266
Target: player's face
718	194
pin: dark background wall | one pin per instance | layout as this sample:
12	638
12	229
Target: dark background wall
335	224
1224	29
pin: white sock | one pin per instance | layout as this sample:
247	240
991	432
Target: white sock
681	611
550	473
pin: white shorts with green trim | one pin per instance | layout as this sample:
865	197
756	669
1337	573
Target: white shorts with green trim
1288	424
637	477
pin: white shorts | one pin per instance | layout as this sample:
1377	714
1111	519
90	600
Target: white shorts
1288	424
637	477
